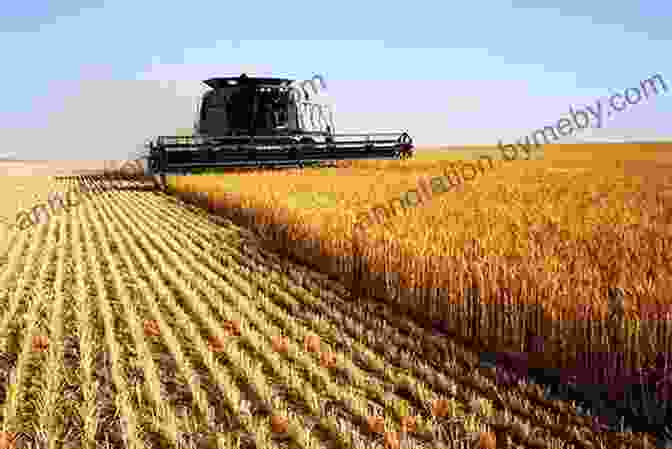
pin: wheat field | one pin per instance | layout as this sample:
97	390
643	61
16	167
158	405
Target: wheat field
138	321
571	227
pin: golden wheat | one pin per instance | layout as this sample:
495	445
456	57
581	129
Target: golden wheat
125	257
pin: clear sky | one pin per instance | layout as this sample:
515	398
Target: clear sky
92	79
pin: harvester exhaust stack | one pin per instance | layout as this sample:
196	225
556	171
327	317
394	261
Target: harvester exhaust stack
248	122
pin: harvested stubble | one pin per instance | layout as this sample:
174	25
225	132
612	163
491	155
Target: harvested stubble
563	232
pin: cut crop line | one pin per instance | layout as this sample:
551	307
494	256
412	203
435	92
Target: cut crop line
128	417
210	266
259	341
88	409
219	373
259	323
297	432
298	332
53	375
244	286
165	420
151	298
183	363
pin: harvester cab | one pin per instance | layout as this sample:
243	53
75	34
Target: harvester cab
252	107
249	121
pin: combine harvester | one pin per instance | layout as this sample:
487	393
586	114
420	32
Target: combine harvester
266	122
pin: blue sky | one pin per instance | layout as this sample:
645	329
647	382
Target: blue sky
94	79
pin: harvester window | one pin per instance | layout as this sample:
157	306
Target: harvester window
241	109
